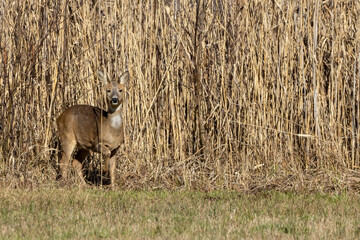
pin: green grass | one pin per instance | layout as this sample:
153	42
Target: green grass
52	213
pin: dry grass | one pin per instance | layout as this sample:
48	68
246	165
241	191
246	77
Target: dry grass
224	94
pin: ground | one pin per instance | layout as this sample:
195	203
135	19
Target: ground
92	213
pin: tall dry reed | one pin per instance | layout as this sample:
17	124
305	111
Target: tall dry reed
224	94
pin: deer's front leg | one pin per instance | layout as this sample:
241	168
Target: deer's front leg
105	151
112	165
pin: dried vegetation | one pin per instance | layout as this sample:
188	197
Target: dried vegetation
224	94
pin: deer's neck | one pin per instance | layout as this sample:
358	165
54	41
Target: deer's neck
115	117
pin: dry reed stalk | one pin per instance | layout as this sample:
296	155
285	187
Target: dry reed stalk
217	88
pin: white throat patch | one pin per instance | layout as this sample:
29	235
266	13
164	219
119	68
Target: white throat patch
116	121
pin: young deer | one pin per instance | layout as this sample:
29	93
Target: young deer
89	128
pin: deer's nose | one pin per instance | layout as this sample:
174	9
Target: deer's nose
114	100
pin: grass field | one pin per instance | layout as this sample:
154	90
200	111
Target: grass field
74	213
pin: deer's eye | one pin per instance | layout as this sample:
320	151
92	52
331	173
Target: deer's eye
120	90
108	90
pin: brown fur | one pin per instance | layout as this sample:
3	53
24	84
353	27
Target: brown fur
89	128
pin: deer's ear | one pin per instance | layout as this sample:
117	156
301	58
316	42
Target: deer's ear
124	78
102	77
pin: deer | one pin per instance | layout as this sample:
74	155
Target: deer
88	128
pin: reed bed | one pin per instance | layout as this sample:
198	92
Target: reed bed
231	94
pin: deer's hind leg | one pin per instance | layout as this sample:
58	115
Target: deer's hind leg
78	163
68	145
